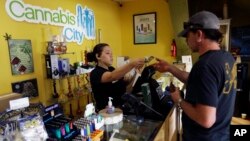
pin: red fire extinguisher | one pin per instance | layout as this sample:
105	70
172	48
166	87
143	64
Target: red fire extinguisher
173	48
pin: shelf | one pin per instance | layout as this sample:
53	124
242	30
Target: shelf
86	71
56	100
58	68
67	76
59	53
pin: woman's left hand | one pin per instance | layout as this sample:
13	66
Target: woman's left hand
138	63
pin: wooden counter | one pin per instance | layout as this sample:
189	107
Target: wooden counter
240	121
168	130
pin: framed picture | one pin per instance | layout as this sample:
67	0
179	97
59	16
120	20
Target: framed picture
21	58
27	88
144	26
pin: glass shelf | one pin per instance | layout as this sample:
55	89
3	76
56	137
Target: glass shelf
67	76
59	53
56	100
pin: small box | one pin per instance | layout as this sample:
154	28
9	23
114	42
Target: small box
48	66
60	69
66	65
52	67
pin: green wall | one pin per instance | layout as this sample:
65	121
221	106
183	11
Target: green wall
179	14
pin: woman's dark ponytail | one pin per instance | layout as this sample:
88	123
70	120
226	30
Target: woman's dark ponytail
91	57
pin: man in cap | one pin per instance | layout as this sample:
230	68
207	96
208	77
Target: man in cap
210	86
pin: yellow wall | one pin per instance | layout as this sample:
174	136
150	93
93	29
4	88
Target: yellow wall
164	29
114	22
107	16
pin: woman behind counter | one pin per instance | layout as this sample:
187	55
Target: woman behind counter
106	81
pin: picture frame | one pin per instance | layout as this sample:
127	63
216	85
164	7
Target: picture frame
27	88
144	28
21	58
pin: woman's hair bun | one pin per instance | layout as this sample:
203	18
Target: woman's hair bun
90	56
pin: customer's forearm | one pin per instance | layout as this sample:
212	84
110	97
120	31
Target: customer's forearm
206	116
181	75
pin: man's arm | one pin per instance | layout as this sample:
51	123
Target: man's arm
204	115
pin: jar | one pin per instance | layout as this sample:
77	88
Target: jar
63	47
50	48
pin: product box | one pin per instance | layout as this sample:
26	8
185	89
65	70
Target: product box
65	66
58	126
52	67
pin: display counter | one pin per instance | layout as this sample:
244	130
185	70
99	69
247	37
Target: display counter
239	121
148	130
132	130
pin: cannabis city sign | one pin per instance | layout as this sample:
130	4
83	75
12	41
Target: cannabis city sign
75	27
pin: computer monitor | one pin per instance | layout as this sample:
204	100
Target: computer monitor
158	99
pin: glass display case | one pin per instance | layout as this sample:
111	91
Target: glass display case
131	130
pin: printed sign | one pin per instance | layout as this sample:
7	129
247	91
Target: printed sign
75	27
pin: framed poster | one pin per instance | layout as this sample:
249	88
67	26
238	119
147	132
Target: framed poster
144	26
21	58
27	88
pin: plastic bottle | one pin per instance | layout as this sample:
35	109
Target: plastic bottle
110	108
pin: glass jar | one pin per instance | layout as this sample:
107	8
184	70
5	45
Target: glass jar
50	48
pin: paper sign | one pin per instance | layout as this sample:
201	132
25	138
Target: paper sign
19	103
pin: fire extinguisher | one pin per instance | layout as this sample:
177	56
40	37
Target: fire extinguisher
173	48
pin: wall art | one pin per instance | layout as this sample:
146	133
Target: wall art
21	58
144	28
27	88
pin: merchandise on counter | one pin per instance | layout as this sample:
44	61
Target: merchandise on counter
32	128
110	114
23	124
112	118
57	125
90	124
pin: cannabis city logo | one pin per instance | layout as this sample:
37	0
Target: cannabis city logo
75	27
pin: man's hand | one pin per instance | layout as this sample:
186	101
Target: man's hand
161	65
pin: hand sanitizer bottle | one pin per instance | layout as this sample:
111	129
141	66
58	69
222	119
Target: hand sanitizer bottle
110	107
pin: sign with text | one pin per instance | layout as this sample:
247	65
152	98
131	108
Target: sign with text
239	132
75	27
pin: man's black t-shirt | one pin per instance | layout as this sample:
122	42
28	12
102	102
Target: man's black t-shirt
211	82
102	91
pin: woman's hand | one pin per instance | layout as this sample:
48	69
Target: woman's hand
137	63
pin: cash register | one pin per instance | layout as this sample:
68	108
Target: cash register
147	98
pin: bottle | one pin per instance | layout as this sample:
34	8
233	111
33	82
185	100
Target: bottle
110	107
110	102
